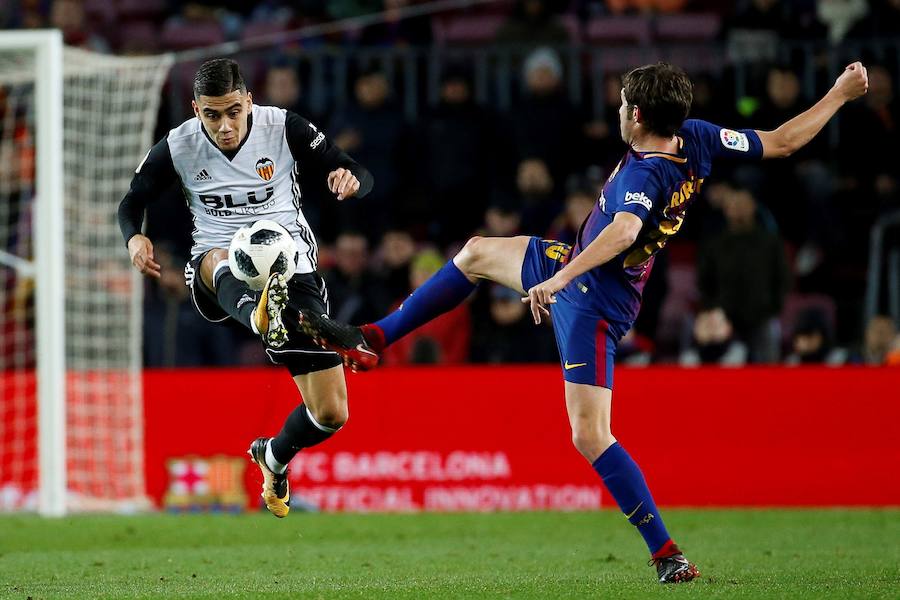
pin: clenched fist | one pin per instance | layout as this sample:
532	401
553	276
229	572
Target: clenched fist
853	82
343	183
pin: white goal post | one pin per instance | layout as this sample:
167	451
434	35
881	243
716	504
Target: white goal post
73	127
49	261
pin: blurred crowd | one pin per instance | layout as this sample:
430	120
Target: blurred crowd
770	266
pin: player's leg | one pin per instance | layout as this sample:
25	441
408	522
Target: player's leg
495	259
589	416
260	312
323	412
319	377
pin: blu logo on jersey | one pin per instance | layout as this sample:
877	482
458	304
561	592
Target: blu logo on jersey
227	200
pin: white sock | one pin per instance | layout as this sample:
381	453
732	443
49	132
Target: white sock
273	464
222	265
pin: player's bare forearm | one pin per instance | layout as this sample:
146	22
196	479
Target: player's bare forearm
613	240
799	131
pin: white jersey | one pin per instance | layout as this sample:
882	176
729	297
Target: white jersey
259	182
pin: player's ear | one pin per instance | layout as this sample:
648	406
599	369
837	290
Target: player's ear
196	108
249	100
636	113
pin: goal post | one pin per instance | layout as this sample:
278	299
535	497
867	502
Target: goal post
49	261
73	127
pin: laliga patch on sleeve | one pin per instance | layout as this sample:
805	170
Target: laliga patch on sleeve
734	140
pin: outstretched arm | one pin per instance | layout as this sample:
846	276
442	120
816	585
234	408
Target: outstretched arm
796	133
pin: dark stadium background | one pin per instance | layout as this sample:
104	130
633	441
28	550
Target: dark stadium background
501	118
498	118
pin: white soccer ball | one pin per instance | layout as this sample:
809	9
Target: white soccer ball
261	249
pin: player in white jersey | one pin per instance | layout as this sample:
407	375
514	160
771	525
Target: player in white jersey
238	163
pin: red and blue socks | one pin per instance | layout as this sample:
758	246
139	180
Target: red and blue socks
443	291
624	480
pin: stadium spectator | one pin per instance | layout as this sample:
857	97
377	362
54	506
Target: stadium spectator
781	186
743	270
545	124
603	142
712	341
353	290
229	14
532	22
878	111
812	341
460	157
68	16
537	192
893	356
373	130
501	220
877	341
283	88
579	202
504	333
396	253
444	340
840	16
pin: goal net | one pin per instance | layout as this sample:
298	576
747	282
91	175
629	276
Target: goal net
109	108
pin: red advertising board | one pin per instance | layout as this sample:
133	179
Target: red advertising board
497	438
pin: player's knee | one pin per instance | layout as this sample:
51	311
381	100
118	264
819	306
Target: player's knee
208	266
468	258
590	441
333	415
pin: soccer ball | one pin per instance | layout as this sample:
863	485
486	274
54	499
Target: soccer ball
261	249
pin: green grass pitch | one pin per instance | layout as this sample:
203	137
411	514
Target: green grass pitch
742	554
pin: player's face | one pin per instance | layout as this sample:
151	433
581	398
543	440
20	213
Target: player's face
225	117
626	122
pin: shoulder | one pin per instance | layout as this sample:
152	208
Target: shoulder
645	171
186	138
269	116
189	128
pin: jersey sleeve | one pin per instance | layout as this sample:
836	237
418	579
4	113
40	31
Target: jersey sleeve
151	180
721	142
641	192
308	143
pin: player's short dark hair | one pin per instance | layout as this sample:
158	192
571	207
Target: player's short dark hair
218	77
664	94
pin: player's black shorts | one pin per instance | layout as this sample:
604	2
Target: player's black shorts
305	290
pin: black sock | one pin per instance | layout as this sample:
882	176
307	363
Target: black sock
300	431
235	297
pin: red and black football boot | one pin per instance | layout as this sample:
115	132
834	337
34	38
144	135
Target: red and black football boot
674	567
359	351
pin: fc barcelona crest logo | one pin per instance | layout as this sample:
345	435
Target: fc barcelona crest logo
266	168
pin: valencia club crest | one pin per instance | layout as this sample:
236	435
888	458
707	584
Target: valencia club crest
266	168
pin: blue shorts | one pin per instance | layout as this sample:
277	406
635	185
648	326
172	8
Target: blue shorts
587	348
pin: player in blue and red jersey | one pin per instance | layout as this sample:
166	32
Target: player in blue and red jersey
593	291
